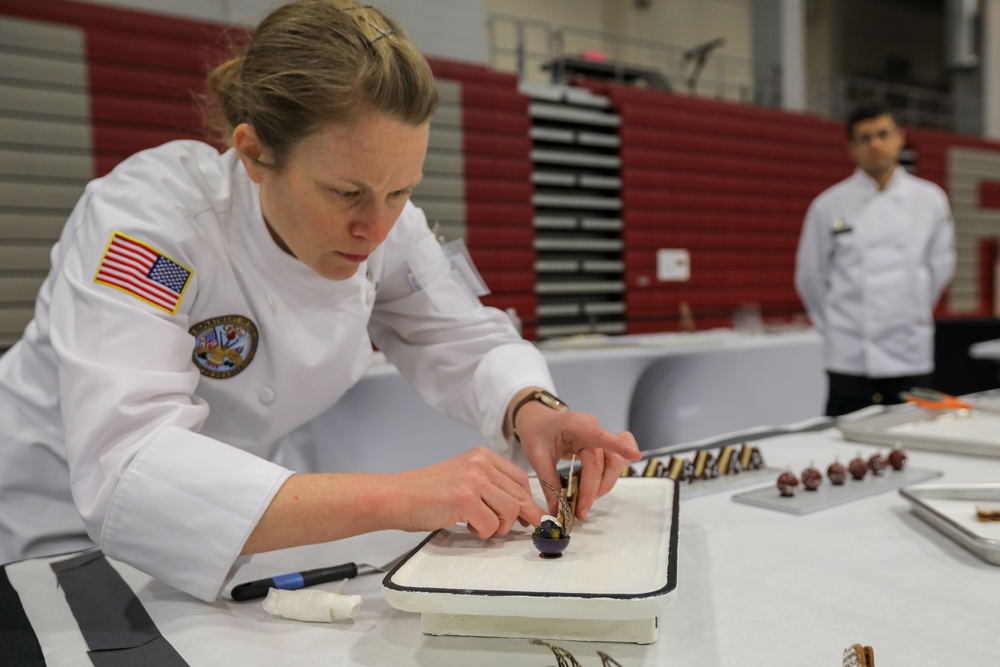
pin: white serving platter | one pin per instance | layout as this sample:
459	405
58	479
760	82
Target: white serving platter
828	495
952	510
702	487
611	584
975	431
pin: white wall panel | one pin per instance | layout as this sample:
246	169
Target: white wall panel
45	155
967	168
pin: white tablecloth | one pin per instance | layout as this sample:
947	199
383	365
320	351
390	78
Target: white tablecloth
755	587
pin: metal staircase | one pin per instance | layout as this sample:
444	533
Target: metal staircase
576	173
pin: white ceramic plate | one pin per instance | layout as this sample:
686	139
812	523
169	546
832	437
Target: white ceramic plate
621	564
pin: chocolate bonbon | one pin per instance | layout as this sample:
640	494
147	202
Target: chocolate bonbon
812	478
837	472
877	463
787	481
897	459
858	468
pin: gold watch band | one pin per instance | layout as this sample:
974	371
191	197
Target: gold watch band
545	398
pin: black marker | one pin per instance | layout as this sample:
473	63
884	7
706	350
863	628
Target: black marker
253	590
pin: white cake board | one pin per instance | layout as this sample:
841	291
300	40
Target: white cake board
643	631
618	574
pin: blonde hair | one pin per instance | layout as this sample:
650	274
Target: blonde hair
313	62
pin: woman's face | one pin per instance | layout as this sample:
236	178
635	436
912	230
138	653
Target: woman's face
341	190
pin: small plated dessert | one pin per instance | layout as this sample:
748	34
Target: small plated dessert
729	463
877	463
812	478
653	468
837	472
988	511
897	459
858	467
678	469
705	466
549	537
787	481
750	458
859	656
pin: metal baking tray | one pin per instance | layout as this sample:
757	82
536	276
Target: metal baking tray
952	510
621	566
975	431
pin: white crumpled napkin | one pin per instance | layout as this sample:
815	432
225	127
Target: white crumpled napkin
311	605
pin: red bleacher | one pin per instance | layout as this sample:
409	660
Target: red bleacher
499	215
728	182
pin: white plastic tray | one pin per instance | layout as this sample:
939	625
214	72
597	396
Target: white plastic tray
975	431
618	574
952	510
828	495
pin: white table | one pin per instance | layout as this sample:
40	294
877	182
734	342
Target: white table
667	389
755	587
987	349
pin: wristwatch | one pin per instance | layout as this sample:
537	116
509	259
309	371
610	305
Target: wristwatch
545	398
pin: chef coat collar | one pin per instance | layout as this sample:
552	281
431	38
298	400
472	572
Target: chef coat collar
899	176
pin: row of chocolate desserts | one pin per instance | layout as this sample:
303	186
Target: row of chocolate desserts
703	465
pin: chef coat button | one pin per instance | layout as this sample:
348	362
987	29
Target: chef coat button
369	297
266	395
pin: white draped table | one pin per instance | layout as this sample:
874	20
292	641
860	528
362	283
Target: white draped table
755	587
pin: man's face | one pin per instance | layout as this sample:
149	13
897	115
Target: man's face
341	192
875	145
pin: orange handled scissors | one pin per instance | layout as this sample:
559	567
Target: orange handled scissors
934	400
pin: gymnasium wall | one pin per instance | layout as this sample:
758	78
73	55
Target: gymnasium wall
82	86
731	183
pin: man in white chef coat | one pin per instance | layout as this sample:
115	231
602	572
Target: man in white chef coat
876	252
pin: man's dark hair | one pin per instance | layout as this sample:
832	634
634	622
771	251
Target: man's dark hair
867	112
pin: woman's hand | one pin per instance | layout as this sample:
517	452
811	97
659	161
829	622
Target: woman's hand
479	488
549	435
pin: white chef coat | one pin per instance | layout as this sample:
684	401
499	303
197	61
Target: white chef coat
168	468
871	266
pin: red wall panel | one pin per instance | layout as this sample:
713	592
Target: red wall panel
496	147
731	184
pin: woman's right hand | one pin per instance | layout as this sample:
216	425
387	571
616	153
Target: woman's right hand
479	488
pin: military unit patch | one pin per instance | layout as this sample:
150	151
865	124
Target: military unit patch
223	346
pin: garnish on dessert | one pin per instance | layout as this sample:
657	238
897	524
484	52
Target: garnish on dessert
551	536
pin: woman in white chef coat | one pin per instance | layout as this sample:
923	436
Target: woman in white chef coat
201	306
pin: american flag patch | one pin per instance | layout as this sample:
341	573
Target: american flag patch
142	271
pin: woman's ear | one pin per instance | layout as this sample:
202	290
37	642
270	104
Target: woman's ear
250	151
